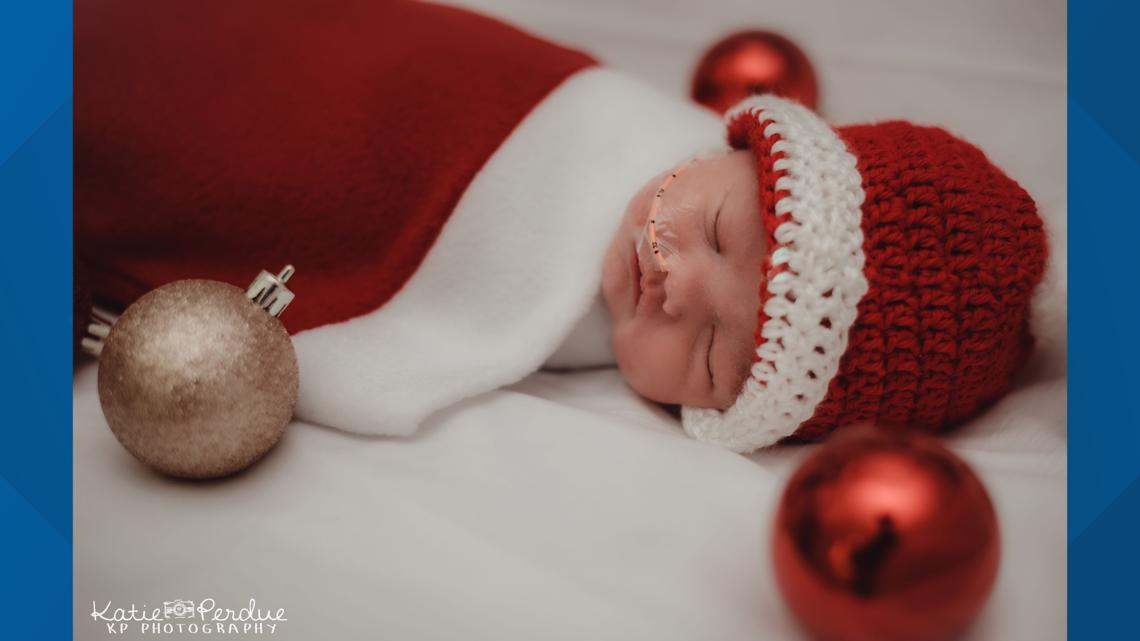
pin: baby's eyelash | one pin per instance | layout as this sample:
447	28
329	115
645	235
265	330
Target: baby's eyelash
708	356
716	231
716	219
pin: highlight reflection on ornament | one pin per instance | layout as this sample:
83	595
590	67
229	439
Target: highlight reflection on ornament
885	536
754	62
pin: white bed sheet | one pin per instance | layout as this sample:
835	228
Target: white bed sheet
564	507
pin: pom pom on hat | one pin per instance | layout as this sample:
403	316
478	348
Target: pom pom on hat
898	282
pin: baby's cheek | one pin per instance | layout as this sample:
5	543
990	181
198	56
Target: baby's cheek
653	362
625	352
732	391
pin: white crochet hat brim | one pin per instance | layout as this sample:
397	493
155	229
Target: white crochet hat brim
813	288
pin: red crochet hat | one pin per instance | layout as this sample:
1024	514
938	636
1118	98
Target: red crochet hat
900	269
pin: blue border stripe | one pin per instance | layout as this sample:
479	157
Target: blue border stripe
35	281
1104	351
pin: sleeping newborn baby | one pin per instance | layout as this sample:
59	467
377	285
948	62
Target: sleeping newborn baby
466	203
817	278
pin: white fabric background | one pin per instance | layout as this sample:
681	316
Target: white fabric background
564	507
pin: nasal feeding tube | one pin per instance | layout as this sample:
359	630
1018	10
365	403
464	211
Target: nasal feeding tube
659	236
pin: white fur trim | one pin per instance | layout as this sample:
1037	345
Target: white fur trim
821	243
515	267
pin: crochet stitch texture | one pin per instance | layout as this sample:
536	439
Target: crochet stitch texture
954	251
898	282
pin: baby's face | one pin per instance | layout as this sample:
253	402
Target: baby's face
686	336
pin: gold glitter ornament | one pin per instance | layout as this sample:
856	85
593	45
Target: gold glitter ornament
198	379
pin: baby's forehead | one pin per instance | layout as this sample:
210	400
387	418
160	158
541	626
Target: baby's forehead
736	167
713	177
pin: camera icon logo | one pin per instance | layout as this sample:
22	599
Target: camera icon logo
178	609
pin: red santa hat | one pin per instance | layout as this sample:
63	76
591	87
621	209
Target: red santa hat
899	273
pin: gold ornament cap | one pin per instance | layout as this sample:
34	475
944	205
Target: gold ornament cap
269	292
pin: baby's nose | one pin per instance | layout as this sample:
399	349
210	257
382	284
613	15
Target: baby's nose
653	284
685	291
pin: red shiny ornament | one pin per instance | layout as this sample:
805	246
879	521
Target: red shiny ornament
753	62
885	536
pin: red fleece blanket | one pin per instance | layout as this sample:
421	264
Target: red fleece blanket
214	140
